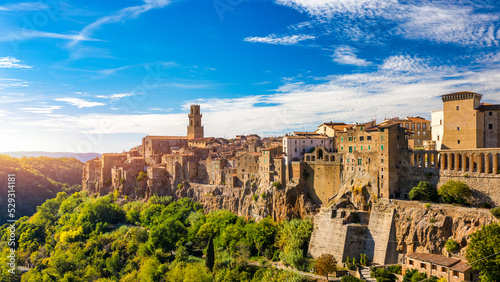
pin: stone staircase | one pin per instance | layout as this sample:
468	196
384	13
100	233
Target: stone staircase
365	274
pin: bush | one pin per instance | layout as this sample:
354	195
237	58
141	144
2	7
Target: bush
427	206
452	246
495	212
180	186
382	275
277	185
142	175
326	264
255	197
350	278
396	269
423	192
455	192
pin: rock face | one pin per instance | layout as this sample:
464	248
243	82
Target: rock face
393	228
251	201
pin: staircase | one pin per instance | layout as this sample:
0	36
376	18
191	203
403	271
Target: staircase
365	274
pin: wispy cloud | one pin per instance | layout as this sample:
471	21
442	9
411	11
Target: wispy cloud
25	6
114	97
27	34
9	82
12	63
280	40
347	56
41	109
80	103
121	15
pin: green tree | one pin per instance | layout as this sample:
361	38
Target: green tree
210	255
424	191
483	252
165	235
495	212
326	263
409	274
455	192
452	246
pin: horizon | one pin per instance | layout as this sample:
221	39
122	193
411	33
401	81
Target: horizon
94	77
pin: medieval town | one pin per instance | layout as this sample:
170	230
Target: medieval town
354	180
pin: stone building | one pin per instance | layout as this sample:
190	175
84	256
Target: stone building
419	129
154	146
271	166
247	166
452	269
468	123
330	128
294	147
374	150
195	129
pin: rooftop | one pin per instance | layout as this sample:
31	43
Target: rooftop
433	258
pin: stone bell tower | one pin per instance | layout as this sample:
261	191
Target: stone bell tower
195	129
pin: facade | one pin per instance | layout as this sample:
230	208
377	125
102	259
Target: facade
437	118
156	145
468	123
330	128
374	150
271	165
247	166
452	269
195	129
419	128
294	147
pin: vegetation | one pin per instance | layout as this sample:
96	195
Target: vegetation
413	275
363	260
396	269
452	246
483	252
455	192
41	178
142	176
277	184
495	212
350	278
84	238
382	275
424	191
325	264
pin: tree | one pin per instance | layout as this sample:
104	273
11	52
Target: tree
452	246
326	263
166	235
210	255
455	192
482	252
495	212
409	274
423	192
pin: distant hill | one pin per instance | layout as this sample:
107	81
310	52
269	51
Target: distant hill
83	157
38	179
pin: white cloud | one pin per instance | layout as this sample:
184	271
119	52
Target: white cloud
283	40
12	63
347	56
80	103
125	13
25	6
41	109
114	97
26	34
9	82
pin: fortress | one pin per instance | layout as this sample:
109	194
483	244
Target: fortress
364	164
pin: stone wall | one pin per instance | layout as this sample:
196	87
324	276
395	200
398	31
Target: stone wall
323	180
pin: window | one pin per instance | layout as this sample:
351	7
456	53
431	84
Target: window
368	138
440	122
490	113
382	147
354	148
444	269
422	265
361	138
458	141
350	139
434	267
311	141
381	137
410	262
407	125
458	107
382	161
341	148
424	126
354	138
350	149
455	273
490	126
359	161
413	126
424	133
341	139
369	147
295	142
295	150
438	137
361	148
419	126
418	133
458	128
347	160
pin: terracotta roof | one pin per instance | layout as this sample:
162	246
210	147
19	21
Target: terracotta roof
461	266
308	137
418	119
433	258
270	148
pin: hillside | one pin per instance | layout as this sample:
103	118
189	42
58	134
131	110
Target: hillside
83	157
38	179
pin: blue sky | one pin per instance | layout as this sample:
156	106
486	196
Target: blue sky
97	76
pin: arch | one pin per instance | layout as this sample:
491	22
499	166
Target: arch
459	161
452	161
191	122
444	161
327	158
313	158
466	165
320	154
496	163
332	158
481	163
308	159
489	163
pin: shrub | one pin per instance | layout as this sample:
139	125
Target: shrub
427	206
277	184
263	195
363	260
325	264
424	191
495	212
433	220
255	197
396	269
180	186
142	175
122	181
455	192
452	246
